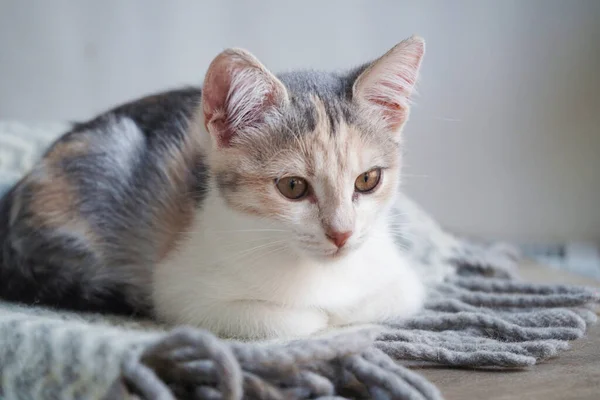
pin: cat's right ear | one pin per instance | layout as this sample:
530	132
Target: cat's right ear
239	94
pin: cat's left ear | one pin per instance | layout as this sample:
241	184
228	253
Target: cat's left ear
386	86
238	96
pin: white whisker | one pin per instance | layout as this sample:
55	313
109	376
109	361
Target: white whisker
247	252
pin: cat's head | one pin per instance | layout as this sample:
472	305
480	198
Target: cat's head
315	154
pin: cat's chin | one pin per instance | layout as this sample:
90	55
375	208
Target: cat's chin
337	254
333	255
329	255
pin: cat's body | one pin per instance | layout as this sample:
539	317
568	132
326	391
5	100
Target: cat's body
85	227
257	207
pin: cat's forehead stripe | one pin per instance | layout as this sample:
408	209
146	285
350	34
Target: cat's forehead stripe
332	91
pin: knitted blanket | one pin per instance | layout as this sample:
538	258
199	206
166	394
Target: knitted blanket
478	314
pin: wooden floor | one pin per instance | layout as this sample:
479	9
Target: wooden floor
574	374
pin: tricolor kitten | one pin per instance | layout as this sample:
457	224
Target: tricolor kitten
255	207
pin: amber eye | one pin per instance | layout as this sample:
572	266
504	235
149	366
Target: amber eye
368	181
293	188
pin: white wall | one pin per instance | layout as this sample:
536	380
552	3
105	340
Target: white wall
505	138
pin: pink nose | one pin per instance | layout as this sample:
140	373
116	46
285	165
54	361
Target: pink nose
339	238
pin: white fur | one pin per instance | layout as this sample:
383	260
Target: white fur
246	96
125	144
216	281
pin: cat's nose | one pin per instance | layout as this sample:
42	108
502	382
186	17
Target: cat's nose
339	238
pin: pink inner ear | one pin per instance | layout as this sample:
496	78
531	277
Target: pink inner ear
238	93
224	133
393	109
389	83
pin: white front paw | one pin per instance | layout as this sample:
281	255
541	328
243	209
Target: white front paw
301	323
394	302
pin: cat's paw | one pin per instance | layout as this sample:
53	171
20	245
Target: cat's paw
257	320
299	323
395	302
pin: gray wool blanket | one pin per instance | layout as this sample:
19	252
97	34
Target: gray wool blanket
479	314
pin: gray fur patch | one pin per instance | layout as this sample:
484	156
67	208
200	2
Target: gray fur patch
334	90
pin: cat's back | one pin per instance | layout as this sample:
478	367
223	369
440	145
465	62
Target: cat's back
112	194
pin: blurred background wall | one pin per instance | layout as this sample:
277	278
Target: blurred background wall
504	141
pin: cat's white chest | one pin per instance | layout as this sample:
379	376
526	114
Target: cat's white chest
215	272
234	268
334	285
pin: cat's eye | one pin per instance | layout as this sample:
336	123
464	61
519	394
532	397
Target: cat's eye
368	181
292	187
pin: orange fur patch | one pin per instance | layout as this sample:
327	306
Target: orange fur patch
177	211
68	149
54	203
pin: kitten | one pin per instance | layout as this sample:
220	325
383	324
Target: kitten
256	207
